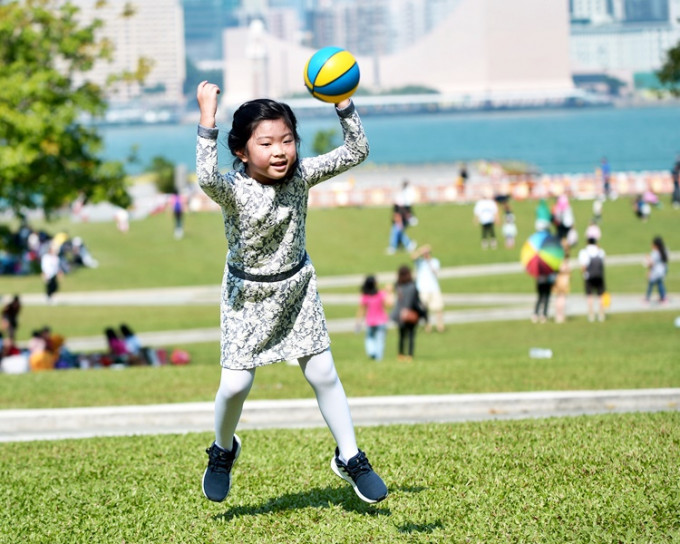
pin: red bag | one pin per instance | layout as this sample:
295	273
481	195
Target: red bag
179	357
409	316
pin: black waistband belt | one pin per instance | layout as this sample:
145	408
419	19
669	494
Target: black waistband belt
237	272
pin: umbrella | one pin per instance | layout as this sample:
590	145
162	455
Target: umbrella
542	254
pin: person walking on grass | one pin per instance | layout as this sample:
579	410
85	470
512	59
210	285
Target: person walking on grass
372	313
270	307
657	267
591	259
486	215
406	312
427	270
51	272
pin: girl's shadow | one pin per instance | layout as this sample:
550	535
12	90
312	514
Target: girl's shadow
314	498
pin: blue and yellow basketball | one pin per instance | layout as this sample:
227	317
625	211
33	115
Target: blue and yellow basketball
332	74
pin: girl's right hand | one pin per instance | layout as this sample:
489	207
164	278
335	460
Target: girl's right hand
206	95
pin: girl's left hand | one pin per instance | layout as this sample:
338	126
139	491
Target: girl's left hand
342	105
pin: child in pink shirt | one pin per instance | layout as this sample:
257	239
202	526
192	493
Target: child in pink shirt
372	312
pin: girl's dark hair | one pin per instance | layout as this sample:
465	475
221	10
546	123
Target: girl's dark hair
658	242
249	115
110	333
126	331
370	286
404	275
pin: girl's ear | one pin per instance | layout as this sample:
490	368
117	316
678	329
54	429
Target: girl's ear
242	156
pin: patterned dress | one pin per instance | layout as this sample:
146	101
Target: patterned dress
264	321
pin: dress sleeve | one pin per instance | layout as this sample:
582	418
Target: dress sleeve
214	184
353	151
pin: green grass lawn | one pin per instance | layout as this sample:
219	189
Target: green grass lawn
340	241
610	478
604	479
629	351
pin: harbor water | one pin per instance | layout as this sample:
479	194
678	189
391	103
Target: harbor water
554	141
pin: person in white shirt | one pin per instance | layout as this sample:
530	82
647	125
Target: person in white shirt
427	269
49	265
486	215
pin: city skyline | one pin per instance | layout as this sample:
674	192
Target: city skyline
618	37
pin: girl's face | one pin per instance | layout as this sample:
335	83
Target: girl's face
270	152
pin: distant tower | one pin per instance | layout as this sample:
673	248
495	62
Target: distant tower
256	51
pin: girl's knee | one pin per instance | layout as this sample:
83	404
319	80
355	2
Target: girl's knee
234	383
319	370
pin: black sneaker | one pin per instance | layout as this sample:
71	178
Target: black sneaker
217	477
358	472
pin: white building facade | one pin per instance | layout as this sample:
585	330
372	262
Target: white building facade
153	31
620	48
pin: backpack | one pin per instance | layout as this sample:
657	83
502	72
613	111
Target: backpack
595	268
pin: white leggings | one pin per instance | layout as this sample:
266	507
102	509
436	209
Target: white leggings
319	370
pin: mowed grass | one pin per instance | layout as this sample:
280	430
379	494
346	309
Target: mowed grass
628	351
611	478
340	241
604	479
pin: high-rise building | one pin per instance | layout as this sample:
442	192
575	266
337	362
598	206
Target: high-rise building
646	10
204	22
132	39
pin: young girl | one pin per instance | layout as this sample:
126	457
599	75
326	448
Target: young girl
372	310
657	266
270	307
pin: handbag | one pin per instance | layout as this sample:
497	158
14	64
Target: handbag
409	316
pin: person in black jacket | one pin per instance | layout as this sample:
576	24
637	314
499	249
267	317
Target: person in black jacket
406	312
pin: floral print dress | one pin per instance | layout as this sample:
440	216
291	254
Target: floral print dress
265	321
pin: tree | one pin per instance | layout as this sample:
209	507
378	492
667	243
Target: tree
324	141
48	156
164	174
669	74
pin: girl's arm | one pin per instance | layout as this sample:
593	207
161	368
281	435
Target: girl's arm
353	151
208	176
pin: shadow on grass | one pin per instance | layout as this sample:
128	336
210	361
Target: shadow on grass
314	498
420	527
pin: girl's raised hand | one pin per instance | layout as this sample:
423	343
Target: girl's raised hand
206	95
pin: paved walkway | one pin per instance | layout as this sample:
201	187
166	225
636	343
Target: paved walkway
57	424
21	425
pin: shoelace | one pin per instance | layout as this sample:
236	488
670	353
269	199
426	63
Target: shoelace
219	461
362	466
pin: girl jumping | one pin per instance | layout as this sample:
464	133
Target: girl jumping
270	308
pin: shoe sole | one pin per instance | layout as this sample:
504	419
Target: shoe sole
231	481
339	473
